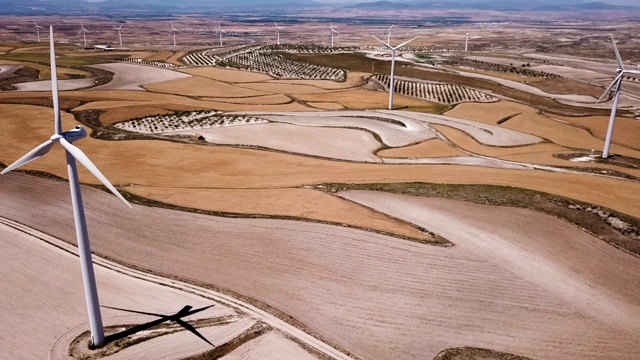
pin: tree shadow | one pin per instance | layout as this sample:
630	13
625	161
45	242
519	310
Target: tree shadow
176	318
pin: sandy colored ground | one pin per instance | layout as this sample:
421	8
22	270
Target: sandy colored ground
624	132
325	105
45	85
42	295
381	297
430	148
225	167
364	99
175	58
114	115
45	72
158	56
227	75
183	344
133	77
283	88
275	99
271	346
304	203
199	86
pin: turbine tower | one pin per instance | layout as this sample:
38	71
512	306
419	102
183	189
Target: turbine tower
37	28
84	33
466	42
173	32
393	63
118	29
333	31
73	153
389	33
277	32
220	31
617	83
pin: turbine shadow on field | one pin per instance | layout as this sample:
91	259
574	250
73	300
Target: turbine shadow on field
177	318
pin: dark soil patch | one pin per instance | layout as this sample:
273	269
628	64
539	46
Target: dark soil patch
615	228
618	160
24	74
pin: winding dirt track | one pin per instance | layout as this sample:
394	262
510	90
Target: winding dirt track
509	285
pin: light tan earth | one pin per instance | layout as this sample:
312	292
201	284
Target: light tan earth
344	144
8	70
133	77
200	86
431	148
227	75
509	285
275	99
295	203
271	346
325	105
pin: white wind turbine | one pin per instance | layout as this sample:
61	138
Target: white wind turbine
278	32
84	33
220	32
466	42
333	31
37	28
73	153
173	32
393	63
617	83
119	30
389	33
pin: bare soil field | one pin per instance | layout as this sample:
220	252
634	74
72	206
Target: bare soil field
227	75
133	77
45	85
275	99
8	70
271	346
122	113
377	296
325	105
625	130
199	86
286	203
430	148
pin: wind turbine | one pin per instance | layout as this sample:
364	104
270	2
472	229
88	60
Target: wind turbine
333	31
84	33
617	83
466	42
278	31
220	31
393	63
173	32
73	153
37	28
389	33
118	29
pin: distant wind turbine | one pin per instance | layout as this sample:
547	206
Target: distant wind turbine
389	33
37	28
118	29
333	31
466	42
173	32
73	153
84	33
393	63
278	32
220	32
617	83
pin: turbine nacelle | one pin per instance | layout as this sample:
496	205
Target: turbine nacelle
77	133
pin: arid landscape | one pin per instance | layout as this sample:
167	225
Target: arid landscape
475	219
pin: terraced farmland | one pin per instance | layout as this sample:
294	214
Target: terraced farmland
435	92
200	58
137	61
282	68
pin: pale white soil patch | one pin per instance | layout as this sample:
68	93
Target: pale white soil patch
132	77
8	70
346	144
271	346
45	85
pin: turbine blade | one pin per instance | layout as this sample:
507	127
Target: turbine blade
39	151
404	43
391	27
618	58
193	330
191	312
84	160
384	43
54	85
614	83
